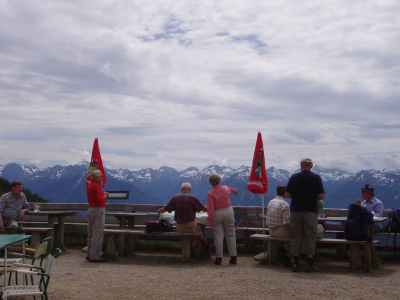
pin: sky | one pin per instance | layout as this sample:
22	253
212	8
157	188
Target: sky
190	83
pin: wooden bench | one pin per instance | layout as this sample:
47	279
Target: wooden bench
36	232
247	232
355	248
112	234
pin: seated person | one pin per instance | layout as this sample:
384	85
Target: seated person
371	204
278	221
185	206
13	206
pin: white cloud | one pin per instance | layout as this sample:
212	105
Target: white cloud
177	84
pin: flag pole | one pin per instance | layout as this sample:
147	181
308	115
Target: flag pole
263	217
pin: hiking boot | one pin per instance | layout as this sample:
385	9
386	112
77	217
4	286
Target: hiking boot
295	268
311	269
233	260
285	261
218	260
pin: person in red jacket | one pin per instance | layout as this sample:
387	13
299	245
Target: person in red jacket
96	217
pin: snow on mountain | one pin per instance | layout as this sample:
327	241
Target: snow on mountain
332	174
66	184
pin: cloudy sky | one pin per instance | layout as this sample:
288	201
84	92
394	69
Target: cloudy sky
190	83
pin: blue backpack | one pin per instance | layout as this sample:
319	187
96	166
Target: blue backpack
158	226
358	220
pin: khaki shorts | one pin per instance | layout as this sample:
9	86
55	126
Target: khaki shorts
188	227
303	232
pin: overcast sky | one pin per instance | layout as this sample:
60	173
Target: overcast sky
190	83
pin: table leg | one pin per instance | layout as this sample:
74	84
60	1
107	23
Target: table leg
50	224
131	240
60	229
35	239
122	222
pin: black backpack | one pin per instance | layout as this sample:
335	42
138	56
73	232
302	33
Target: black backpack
394	223
394	226
358	220
158	226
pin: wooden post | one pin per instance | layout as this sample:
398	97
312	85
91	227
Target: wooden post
121	244
367	255
269	251
185	240
110	244
355	256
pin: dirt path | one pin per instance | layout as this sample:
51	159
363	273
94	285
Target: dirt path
163	276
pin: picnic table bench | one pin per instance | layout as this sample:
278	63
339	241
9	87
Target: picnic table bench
113	233
355	248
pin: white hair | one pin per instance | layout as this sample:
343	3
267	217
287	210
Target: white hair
95	173
186	185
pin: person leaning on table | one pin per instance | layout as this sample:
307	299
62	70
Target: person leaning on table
371	204
96	217
13	206
221	218
185	206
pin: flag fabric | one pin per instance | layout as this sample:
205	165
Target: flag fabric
96	163
258	180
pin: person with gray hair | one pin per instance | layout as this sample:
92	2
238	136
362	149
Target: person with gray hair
185	206
221	218
96	217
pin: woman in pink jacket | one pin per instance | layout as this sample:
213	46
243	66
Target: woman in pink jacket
221	218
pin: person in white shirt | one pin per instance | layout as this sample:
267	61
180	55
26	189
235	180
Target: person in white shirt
278	214
278	221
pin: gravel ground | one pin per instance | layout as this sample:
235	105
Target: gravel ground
158	275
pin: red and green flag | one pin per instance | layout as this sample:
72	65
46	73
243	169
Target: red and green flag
258	180
96	163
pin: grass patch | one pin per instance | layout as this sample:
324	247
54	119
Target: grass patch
376	260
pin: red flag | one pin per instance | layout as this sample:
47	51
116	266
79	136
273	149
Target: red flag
258	180
96	163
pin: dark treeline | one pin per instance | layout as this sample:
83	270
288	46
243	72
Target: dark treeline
5	188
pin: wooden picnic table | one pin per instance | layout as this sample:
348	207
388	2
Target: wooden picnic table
51	218
6	240
123	217
127	221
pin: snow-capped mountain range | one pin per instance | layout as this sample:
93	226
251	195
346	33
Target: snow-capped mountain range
66	184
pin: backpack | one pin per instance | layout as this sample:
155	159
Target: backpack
394	223
356	228
158	226
394	226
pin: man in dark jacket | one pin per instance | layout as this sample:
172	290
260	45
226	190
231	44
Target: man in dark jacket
305	189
